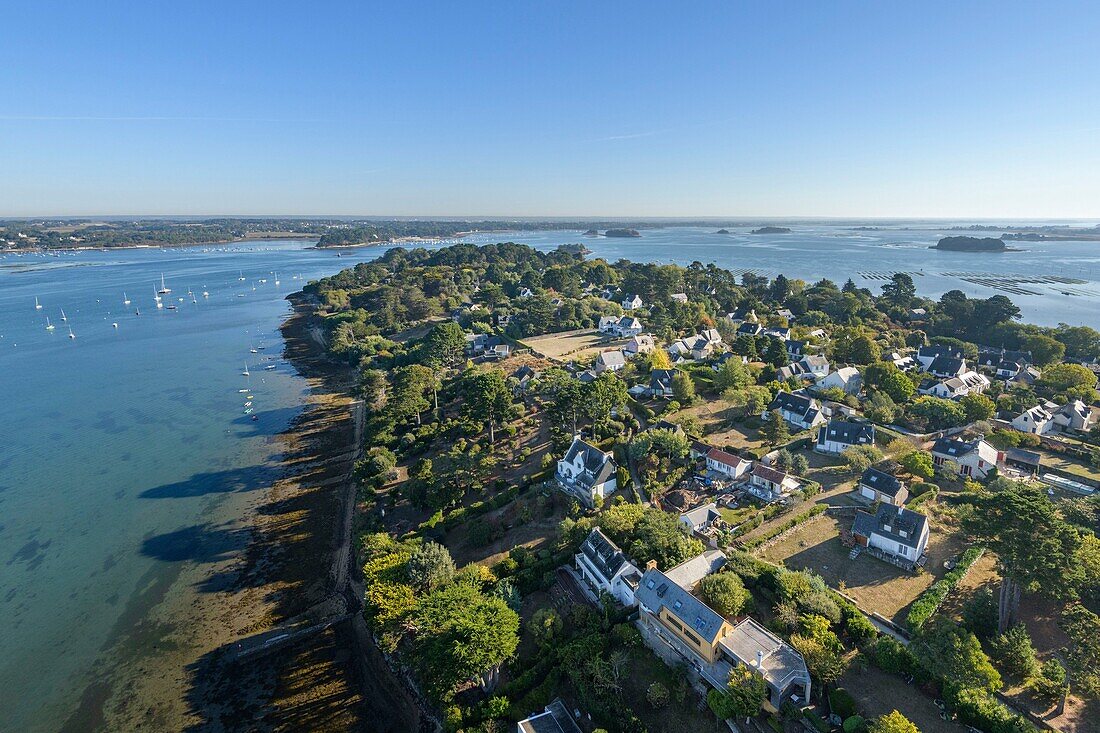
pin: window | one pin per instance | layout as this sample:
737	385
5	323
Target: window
677	604
693	638
902	549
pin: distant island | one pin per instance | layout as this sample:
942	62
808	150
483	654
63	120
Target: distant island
622	233
723	231
574	249
972	244
771	230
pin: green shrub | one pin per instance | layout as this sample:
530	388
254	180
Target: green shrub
842	703
815	720
855	724
926	605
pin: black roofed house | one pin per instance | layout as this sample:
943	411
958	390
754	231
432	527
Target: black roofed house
927	354
947	366
974	458
794	348
660	382
838	435
750	328
604	567
524	376
587	472
1023	460
554	719
631	302
876	485
897	532
801	411
993	357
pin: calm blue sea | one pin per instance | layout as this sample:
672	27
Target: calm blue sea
126	453
124	450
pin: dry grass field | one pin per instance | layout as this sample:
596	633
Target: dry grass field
570	345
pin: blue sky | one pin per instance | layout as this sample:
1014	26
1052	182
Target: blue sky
551	109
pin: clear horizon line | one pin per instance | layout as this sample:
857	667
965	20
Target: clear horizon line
549	217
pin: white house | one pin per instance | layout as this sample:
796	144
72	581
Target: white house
947	366
904	363
610	361
606	569
815	365
975	458
1037	420
631	302
587	472
847	379
893	530
928	354
876	485
701	518
727	464
1047	418
1074	415
769	483
838	436
799	410
952	388
525	293
679	297
642	343
621	326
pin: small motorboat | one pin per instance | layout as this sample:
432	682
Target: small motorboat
271	367
255	418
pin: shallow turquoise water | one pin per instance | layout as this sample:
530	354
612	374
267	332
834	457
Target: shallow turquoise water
120	448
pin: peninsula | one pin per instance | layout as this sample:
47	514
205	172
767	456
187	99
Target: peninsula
533	431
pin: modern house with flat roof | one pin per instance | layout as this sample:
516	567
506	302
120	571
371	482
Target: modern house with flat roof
678	625
554	719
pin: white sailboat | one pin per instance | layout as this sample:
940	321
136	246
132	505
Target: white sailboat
164	289
241	278
245	373
276	278
71	334
37	305
49	326
63	318
125	299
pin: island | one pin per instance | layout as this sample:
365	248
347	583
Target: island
574	249
622	233
771	230
972	244
723	231
592	233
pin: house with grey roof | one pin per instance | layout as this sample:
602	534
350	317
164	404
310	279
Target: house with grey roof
897	532
801	411
837	436
678	626
928	354
555	718
586	472
660	382
975	458
876	485
770	484
701	518
610	361
947	366
606	569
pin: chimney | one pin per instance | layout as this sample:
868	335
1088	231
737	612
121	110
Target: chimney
759	660
651	565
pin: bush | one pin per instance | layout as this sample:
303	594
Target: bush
1050	684
980	614
981	710
657	695
855	724
842	703
926	605
858	627
889	655
815	720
